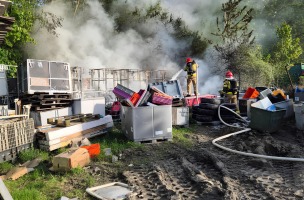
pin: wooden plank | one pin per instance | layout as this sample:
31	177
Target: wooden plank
4	191
77	139
12	116
69	137
51	135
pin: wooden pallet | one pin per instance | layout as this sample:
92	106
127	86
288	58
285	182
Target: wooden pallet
43	101
153	141
42	96
65	121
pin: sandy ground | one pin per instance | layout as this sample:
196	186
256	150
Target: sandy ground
169	170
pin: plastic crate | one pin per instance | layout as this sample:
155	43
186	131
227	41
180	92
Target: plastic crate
16	134
171	88
161	99
121	94
11	154
251	93
125	89
264	93
134	98
264	120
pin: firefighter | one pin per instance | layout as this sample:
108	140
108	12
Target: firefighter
191	69
230	90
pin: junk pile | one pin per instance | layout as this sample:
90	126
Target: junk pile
150	97
266	108
148	115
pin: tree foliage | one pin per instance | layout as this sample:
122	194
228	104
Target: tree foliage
234	32
287	51
25	14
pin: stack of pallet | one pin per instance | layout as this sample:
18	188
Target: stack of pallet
44	101
64	131
15	135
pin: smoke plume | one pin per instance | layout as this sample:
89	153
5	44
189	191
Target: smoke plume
89	38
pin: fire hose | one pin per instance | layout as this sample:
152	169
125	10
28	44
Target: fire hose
244	131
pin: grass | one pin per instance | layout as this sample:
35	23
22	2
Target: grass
43	184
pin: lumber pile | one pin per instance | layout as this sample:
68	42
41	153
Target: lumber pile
71	129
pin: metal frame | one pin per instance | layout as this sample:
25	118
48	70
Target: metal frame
50	90
103	80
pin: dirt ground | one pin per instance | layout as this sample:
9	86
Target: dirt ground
170	170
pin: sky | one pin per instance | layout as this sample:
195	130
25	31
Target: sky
90	39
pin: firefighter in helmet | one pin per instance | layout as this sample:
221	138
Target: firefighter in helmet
191	69
230	89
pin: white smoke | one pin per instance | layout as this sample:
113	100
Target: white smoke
90	38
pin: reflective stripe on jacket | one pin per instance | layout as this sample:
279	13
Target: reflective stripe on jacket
230	86
191	69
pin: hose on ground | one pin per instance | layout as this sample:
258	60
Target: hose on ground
244	131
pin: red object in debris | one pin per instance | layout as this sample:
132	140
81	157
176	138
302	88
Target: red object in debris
93	149
115	107
251	93
190	101
134	98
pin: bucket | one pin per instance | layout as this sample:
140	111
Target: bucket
299	115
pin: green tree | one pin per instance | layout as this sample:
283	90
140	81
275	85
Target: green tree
287	50
26	14
256	70
276	12
233	32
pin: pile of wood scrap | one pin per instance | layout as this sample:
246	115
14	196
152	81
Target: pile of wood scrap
55	136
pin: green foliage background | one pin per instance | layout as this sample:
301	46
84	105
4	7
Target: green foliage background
266	62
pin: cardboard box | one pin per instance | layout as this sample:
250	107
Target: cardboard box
73	158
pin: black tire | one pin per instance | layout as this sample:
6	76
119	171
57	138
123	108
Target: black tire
229	105
195	108
208	106
194	116
203	111
228	118
195	112
211	101
204	118
224	111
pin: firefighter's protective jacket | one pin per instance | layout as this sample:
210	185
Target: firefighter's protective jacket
230	86
191	69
